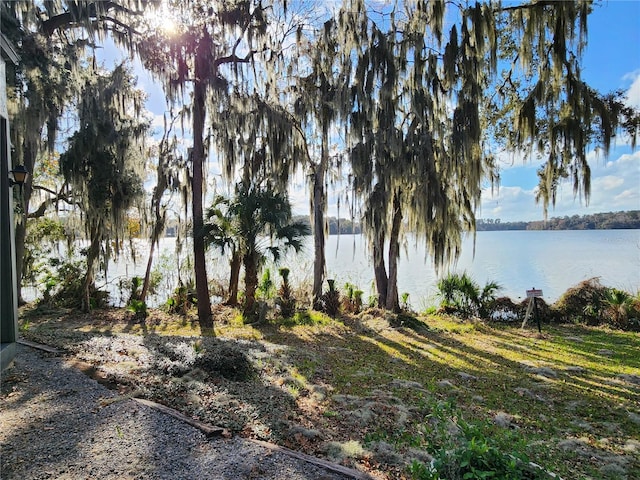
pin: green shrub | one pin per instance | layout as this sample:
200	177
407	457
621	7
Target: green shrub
64	286
330	300
266	287
404	305
620	309
183	299
592	303
352	301
463	296
139	309
462	450
583	303
286	301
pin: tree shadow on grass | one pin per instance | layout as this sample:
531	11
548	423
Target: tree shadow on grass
483	380
57	423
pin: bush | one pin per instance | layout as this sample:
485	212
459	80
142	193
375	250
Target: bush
139	309
461	295
266	286
352	302
462	450
330	300
583	303
64	286
285	300
503	309
183	299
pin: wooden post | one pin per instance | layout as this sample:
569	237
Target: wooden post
532	295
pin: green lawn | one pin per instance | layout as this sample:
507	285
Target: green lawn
377	397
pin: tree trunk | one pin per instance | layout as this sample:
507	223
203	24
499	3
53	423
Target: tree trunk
392	300
158	229
250	282
319	201
20	238
234	278
147	273
21	225
197	157
89	279
318	221
379	269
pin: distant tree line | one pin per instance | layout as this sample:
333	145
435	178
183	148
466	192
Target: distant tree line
337	226
596	221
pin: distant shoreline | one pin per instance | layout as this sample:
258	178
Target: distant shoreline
624	220
629	220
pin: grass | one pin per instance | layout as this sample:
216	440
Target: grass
570	394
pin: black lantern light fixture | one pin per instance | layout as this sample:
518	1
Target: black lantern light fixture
19	176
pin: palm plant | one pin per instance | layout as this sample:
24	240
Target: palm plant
463	295
257	222
487	297
618	305
286	301
219	231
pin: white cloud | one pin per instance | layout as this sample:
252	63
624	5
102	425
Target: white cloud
610	182
633	94
615	186
627	195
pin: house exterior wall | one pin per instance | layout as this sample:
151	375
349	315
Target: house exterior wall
8	291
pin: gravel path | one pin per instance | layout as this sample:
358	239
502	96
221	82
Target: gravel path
56	423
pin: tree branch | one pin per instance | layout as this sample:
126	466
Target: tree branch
233	59
57	197
527	6
68	20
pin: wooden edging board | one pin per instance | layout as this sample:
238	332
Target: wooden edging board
39	346
334	467
208	430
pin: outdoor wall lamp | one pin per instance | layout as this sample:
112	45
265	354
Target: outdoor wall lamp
19	176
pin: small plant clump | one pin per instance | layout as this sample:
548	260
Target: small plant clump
138	308
266	287
461	295
330	300
286	301
64	286
183	299
462	450
405	305
352	301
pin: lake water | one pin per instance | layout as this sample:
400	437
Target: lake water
519	260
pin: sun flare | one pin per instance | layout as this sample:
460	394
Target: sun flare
162	19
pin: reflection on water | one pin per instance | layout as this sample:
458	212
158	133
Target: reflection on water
519	260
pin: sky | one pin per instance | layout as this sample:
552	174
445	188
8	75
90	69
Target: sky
611	61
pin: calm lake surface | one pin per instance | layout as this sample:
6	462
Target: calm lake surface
519	260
